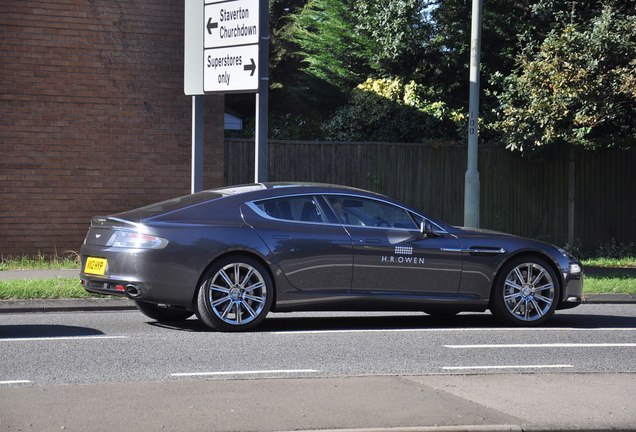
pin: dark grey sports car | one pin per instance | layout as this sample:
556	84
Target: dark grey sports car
231	255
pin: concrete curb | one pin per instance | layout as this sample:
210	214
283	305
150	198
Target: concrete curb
461	428
65	305
608	298
38	274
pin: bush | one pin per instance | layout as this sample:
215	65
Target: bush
386	110
609	250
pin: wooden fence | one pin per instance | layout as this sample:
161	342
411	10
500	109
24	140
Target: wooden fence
591	193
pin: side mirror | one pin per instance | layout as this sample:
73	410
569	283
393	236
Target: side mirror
426	228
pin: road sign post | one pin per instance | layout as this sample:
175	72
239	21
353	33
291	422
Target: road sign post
261	146
226	51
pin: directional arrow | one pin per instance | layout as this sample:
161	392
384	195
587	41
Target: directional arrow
211	25
251	67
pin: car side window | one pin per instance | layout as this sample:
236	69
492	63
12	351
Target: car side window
301	209
367	212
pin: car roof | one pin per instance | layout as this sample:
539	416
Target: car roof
254	192
301	187
242	193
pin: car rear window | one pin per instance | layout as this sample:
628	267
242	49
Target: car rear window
297	208
170	205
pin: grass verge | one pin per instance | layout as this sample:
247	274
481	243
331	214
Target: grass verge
40	262
29	289
610	284
629	262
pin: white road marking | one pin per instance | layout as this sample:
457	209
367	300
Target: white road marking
257	372
59	338
15	382
546	345
455	330
507	367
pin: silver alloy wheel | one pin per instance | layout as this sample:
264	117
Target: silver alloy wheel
237	293
529	291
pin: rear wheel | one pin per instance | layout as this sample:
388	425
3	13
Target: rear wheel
163	313
526	292
236	295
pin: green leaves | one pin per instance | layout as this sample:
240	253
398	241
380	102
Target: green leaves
346	41
387	110
577	88
554	72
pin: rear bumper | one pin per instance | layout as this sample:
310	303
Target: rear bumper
146	275
132	290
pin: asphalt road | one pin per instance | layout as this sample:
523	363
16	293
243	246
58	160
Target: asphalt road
119	370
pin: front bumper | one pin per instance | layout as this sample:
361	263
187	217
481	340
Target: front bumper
572	286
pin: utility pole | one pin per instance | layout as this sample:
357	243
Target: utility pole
261	146
471	190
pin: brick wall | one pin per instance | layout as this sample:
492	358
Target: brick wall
93	118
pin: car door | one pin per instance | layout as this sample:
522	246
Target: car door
312	249
391	255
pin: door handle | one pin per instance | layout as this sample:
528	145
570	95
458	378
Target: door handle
372	241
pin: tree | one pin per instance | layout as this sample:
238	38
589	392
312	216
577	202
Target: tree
446	57
387	110
321	49
578	87
344	42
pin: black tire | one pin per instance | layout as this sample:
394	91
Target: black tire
236	294
163	313
526	292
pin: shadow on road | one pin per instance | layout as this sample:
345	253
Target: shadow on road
44	331
281	322
591	321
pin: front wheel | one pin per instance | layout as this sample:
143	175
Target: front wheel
236	295
526	292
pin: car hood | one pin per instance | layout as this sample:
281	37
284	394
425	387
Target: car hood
482	231
482	238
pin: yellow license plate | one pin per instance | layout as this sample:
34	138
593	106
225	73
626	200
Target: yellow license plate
96	266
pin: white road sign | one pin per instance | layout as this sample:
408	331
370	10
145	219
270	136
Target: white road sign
231	23
229	69
230	45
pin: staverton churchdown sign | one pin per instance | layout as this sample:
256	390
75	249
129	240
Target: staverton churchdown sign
222	51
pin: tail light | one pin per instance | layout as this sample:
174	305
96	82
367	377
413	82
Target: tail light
127	239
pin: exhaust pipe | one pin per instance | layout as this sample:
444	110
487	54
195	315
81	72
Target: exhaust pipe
133	291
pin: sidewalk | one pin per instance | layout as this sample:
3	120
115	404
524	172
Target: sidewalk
90	304
519	402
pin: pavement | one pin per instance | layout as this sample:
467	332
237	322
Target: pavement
528	402
91	304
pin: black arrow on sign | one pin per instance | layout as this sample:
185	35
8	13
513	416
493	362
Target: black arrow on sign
211	25
250	67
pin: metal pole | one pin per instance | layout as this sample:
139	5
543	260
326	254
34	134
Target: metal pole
471	191
197	143
262	97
